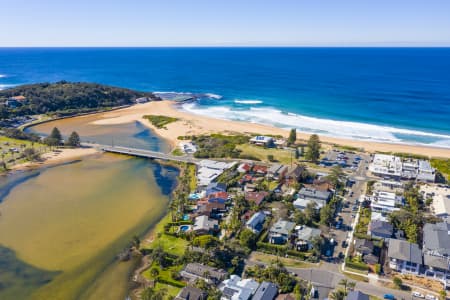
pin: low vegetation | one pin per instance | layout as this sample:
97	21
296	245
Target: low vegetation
219	145
442	165
160	121
66	98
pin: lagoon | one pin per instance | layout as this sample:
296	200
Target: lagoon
63	226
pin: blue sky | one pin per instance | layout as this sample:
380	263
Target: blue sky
225	23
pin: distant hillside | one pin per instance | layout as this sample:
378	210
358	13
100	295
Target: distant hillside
64	98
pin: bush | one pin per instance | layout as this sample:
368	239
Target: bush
356	265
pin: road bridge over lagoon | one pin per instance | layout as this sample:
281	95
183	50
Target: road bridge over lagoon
147	154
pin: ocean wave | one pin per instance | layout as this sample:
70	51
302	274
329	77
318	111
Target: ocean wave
327	127
213	96
3	75
238	101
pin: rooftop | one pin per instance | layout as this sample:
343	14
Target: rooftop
405	251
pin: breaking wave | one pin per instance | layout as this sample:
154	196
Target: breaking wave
327	127
238	101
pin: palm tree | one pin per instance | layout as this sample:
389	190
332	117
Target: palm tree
347	284
337	295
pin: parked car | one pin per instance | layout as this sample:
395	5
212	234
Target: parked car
344	244
389	297
430	297
417	294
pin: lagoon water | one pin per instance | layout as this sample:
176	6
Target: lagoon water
61	227
378	94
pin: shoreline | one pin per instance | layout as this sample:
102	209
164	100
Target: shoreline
192	124
55	157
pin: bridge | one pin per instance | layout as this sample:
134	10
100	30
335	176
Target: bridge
147	154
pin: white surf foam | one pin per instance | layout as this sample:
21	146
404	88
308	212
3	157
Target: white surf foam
3	75
328	127
238	101
213	96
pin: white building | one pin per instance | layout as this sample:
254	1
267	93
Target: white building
392	166
187	147
262	140
386	165
236	288
210	170
385	201
440	205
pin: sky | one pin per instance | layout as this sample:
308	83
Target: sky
126	23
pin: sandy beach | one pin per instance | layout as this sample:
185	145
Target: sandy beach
56	157
190	124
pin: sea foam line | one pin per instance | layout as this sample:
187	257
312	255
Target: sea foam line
327	127
238	101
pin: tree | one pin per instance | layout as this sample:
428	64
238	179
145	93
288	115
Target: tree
292	136
56	134
74	140
31	154
443	294
337	295
336	175
297	153
248	239
347	285
313	150
136	242
154	272
327	215
398	282
297	292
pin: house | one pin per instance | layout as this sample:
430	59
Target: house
295	173
261	140
187	147
303	203
277	172
142	100
357	295
210	209
205	225
218	197
194	271
266	291
385	202
215	187
313	194
280	232
236	288
191	293
244	168
256	197
256	222
363	247
426	173
440	206
380	229
305	236
404	257
260	170
436	248
249	187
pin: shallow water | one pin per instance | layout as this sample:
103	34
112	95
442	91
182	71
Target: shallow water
133	134
63	226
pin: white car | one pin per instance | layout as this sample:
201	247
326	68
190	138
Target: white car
430	297
417	294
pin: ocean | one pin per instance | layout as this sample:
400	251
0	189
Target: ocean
395	95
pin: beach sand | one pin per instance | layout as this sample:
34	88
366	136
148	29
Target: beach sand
56	157
190	124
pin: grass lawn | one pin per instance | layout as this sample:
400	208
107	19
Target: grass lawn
287	262
7	143
356	277
177	152
172	291
193	177
442	165
170	244
280	155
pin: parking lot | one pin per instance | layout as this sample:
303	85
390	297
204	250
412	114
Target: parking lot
346	159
